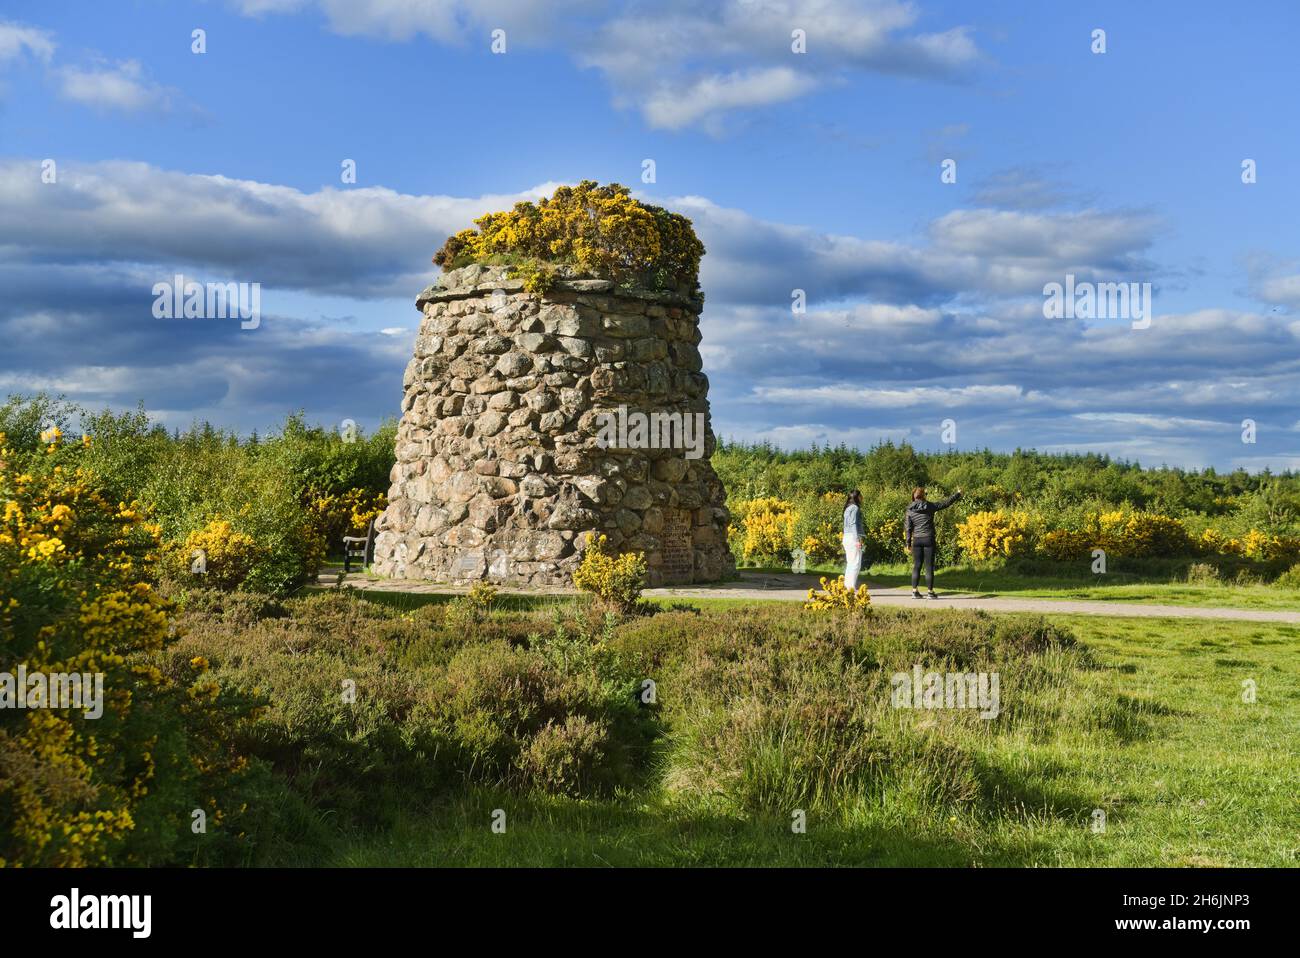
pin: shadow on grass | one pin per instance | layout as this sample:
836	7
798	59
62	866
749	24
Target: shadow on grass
555	832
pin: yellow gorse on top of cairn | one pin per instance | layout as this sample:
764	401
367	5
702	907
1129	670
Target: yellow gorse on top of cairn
598	229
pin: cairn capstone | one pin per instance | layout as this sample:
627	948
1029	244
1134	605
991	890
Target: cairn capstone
515	445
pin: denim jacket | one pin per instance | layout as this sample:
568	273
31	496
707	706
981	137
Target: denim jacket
853	521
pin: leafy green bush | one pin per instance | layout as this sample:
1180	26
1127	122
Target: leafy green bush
819	526
1290	579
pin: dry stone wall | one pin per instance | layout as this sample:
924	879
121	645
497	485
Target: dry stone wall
519	434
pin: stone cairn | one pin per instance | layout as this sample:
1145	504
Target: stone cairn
501	469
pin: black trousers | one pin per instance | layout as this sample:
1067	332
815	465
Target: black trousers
923	552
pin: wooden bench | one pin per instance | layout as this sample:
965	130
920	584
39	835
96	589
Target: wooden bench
359	547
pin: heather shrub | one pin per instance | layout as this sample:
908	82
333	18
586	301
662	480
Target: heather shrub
364	701
508	709
769	715
564	757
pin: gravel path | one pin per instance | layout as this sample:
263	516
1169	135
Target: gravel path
794	588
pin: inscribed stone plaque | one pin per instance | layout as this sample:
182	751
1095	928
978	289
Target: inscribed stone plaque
678	549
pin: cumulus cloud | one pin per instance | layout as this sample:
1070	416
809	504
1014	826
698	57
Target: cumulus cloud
978	250
365	242
81	257
691	63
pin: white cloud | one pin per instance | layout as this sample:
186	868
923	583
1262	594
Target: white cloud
361	242
706	97
1087	237
863	396
117	86
690	64
1157	423
15	39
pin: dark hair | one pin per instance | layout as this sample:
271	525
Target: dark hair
918	493
854	499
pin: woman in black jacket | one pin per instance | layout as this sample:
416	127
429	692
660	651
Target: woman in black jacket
918	533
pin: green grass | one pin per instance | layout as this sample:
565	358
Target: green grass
1198	778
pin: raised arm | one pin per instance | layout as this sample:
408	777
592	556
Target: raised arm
945	503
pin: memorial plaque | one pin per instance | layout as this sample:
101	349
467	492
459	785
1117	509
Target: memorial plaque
678	547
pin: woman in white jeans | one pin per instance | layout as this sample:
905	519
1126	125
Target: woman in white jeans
853	536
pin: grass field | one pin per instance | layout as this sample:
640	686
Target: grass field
1186	772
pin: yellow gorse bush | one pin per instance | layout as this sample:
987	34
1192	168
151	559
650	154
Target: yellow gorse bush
1066	544
75	598
993	535
768	525
598	229
1257	545
615	580
765	528
227	555
344	514
1140	534
834	595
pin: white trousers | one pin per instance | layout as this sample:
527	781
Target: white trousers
853	560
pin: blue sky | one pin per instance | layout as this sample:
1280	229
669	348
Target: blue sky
817	171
